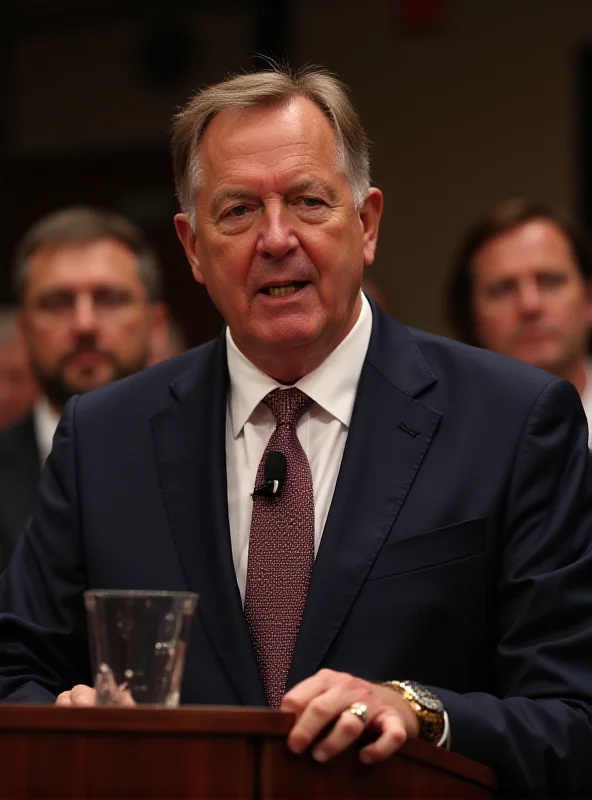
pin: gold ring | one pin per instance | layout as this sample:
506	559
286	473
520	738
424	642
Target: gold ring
359	710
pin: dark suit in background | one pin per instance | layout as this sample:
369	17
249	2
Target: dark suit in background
19	476
456	551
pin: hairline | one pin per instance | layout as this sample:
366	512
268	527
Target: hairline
462	281
196	170
23	269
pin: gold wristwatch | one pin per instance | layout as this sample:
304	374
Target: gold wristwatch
428	708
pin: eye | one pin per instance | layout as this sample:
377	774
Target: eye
55	302
499	290
311	202
236	211
111	297
551	280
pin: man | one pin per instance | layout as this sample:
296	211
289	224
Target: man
521	286
89	286
440	490
18	389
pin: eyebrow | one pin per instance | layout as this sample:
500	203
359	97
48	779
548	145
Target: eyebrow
314	186
225	195
306	186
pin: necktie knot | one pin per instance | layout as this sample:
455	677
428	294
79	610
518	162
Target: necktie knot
287	405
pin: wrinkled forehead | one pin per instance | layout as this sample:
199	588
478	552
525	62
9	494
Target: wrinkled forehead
268	136
78	264
524	250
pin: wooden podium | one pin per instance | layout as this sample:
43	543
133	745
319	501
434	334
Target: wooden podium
204	752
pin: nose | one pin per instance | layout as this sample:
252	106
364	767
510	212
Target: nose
529	299
277	236
84	317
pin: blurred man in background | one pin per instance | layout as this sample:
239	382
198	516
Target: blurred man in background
521	287
89	286
18	389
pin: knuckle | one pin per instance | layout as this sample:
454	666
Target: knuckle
357	684
396	736
332	677
326	673
319	708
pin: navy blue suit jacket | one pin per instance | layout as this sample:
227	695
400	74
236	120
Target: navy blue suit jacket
456	551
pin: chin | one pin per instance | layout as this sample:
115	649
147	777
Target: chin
543	360
290	338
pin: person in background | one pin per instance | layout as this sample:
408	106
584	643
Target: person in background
521	286
18	388
89	287
425	571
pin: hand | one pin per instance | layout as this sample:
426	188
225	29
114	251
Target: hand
84	696
326	697
78	696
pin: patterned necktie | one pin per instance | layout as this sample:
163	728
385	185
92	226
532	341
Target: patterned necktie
281	549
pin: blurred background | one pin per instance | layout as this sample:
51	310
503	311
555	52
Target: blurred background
466	102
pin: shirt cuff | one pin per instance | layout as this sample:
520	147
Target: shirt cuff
445	740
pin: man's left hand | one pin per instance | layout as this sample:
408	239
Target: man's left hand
327	697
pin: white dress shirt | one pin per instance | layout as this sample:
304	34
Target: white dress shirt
45	422
587	400
322	430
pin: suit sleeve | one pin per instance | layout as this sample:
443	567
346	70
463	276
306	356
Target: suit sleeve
43	639
535	728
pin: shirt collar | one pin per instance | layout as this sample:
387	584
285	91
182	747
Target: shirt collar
45	421
332	385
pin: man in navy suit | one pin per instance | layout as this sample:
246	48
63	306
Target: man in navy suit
451	592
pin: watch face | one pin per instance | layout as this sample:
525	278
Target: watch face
424	697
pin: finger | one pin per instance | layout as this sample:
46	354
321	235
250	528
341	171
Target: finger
125	698
82	695
301	695
392	738
63	699
324	709
346	730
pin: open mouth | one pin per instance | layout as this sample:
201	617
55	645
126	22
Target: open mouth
285	290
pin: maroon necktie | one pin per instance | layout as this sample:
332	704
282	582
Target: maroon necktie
281	549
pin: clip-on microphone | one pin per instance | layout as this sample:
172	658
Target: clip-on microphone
274	475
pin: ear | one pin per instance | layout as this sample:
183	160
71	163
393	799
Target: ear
370	215
187	238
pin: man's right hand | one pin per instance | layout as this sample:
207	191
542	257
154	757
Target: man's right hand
78	696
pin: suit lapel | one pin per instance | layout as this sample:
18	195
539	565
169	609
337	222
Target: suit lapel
389	435
189	438
20	471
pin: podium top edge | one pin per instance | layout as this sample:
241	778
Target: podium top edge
21	717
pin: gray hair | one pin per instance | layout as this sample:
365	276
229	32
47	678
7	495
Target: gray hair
268	88
80	224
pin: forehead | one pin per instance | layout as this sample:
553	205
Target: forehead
267	144
534	245
78	265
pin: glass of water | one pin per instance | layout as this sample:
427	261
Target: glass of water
137	644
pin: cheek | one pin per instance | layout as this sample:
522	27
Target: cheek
495	323
124	335
48	344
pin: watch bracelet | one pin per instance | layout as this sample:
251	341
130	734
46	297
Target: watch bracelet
431	723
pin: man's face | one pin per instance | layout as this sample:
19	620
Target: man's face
86	319
18	389
278	242
530	300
